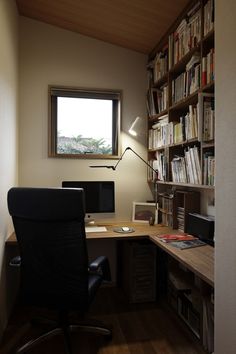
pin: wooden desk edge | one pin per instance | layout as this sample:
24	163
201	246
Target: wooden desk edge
203	269
185	257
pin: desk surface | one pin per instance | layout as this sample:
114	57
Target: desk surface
199	260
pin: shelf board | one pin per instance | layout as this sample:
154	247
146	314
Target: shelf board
163	80
186	142
190	185
165	211
180	66
209	87
162	195
156	117
206	145
191	99
209	37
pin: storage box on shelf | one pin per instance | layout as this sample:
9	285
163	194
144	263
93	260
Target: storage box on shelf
184	202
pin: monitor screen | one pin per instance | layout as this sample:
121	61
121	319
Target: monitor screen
99	195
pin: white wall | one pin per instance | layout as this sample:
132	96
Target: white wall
49	55
225	283
8	132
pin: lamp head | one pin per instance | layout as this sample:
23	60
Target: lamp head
132	132
133	127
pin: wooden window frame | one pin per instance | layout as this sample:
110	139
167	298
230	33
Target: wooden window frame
60	91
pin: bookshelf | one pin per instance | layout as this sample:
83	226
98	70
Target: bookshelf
193	301
181	146
180	100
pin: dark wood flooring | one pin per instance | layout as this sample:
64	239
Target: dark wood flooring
137	329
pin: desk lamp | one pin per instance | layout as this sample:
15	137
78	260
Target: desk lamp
113	167
133	127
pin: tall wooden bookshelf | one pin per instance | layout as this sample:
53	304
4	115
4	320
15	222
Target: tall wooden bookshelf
180	100
180	105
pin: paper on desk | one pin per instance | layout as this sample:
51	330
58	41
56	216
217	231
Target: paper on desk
95	229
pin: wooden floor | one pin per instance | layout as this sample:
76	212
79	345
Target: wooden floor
137	329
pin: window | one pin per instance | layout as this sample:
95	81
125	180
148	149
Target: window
84	123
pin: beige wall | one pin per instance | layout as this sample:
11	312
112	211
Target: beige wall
8	132
225	290
49	55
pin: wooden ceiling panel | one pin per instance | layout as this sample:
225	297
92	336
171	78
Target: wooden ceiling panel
134	24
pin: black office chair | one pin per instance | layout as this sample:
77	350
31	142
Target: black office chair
55	274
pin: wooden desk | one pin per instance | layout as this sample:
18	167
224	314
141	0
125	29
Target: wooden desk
199	260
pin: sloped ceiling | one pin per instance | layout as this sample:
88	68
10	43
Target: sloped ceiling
134	24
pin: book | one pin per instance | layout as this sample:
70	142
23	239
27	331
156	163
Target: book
175	237
188	244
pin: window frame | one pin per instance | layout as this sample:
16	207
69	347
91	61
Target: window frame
62	91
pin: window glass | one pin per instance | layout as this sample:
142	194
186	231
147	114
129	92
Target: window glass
84	123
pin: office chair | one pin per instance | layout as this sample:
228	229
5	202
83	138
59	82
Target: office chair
54	269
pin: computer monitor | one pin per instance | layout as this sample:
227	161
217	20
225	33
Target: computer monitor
99	197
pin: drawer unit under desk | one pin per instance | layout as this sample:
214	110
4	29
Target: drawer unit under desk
139	271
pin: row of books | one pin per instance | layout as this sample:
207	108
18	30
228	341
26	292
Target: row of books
159	135
180	218
186	36
208	64
164	133
165	203
208	132
160	65
160	164
208	23
188	125
166	220
188	81
187	168
157	100
209	169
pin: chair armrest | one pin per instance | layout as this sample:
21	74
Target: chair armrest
101	265
15	262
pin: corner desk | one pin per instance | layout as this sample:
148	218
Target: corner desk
199	260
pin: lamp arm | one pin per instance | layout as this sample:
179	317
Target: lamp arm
156	172
114	167
146	163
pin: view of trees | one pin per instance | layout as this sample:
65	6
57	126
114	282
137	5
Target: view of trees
82	145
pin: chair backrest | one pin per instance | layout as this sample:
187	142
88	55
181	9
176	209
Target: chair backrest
49	226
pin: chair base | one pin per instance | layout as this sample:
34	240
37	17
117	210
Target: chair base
65	331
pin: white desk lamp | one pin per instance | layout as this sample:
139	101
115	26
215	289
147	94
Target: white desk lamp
133	127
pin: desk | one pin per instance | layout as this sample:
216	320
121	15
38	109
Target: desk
199	260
